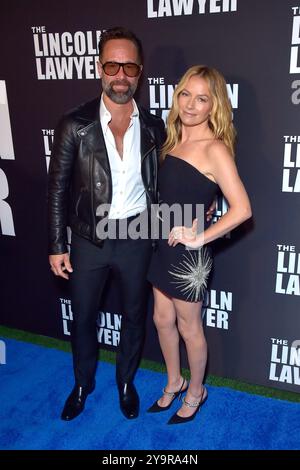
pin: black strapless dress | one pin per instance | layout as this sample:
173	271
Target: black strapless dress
177	271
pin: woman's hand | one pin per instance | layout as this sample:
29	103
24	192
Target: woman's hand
185	235
211	210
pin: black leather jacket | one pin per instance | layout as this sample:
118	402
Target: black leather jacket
80	176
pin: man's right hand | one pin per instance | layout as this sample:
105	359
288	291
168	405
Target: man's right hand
59	264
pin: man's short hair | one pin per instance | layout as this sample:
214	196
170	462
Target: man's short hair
120	33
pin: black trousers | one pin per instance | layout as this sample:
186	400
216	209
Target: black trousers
91	267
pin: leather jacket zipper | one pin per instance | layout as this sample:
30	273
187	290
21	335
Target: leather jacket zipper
78	202
91	162
150	150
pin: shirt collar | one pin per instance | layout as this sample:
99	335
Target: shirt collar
105	116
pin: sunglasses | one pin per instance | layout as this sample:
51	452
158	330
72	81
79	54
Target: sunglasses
130	69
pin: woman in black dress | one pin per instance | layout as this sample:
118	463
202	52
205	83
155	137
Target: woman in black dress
197	160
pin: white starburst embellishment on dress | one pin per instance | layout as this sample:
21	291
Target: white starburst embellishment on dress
192	273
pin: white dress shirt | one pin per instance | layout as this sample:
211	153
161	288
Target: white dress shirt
128	192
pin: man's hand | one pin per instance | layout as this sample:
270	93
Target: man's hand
59	264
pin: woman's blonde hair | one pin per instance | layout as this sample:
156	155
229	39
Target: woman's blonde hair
220	120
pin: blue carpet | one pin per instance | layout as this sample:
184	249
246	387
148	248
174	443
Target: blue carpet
36	381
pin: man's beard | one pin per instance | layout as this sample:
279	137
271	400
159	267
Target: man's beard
120	97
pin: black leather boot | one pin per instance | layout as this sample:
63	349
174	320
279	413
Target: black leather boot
75	402
129	400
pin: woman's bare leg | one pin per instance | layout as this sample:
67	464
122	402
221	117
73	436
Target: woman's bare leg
165	322
191	329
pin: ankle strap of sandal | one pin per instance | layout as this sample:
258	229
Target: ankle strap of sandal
191	405
170	394
196	403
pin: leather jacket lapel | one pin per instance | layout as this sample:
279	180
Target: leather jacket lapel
147	141
94	139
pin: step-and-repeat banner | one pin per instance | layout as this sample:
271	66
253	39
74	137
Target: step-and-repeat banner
48	65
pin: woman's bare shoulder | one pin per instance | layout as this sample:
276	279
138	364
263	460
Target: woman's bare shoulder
217	149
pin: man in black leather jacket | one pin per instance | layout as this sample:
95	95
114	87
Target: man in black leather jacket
105	152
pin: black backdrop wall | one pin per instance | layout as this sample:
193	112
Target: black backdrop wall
48	52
